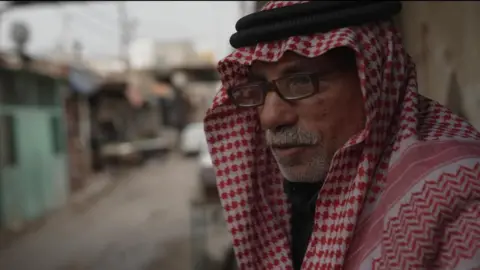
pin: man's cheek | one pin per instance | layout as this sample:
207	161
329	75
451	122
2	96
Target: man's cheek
317	107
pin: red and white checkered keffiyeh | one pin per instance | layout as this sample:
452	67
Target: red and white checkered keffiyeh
406	197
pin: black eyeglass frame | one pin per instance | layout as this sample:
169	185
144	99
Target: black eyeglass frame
269	86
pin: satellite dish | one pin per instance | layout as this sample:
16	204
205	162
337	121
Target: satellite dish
20	33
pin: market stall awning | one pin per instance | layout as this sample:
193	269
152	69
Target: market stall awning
83	80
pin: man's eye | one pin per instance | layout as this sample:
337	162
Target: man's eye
299	81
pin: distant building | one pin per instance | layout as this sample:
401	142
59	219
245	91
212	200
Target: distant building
151	54
191	71
105	66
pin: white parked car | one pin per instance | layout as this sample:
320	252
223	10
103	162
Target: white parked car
139	148
192	139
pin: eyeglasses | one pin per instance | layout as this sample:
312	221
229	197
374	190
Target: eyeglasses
289	88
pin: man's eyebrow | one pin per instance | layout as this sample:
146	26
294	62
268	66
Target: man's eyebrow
253	76
295	67
290	68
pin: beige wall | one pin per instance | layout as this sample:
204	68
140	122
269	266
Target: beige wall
444	40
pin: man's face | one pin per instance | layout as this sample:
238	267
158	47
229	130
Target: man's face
304	134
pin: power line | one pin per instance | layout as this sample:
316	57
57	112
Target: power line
99	14
96	21
106	28
71	23
96	33
64	39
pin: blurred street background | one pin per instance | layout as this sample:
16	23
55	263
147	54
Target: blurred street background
103	159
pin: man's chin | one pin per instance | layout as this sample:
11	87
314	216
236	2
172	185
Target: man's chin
304	170
300	174
294	157
306	166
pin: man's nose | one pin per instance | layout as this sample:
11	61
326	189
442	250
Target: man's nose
276	112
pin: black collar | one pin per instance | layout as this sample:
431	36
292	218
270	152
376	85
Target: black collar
302	196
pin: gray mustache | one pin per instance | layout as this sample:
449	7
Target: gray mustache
290	137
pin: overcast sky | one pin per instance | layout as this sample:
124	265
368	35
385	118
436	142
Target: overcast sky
96	25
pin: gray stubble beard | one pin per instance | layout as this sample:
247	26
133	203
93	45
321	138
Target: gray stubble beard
314	171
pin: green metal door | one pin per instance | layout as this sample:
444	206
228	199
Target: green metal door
36	182
27	177
33	175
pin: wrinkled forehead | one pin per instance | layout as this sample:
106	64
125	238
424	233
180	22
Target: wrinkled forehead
292	62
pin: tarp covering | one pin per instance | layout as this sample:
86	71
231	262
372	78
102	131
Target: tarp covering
83	80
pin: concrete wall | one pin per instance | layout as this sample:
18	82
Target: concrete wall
444	40
78	129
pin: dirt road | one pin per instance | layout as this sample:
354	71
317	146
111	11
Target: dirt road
143	223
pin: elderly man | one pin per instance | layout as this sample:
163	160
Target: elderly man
326	155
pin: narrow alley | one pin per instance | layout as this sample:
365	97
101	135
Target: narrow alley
143	223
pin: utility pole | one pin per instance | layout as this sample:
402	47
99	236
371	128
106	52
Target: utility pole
2	12
64	41
126	33
243	8
4	7
77	50
126	27
247	7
